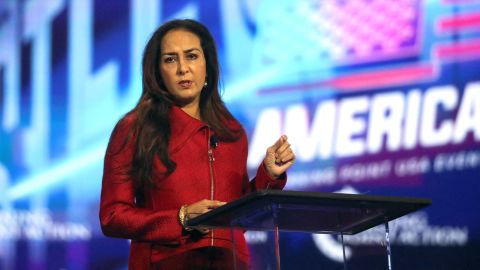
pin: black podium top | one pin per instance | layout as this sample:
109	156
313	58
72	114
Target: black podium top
315	212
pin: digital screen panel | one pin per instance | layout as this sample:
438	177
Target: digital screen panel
376	96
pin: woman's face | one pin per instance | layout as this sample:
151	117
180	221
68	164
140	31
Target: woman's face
182	66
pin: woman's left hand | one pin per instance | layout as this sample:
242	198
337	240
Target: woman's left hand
279	157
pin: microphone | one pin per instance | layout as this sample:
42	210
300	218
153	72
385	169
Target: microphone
213	141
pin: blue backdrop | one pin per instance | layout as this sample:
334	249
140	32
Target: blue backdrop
377	97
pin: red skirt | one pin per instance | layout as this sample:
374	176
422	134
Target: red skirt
207	258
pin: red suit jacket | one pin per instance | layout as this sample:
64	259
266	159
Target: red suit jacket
155	230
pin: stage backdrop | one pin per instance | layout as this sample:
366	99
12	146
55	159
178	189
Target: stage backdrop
377	97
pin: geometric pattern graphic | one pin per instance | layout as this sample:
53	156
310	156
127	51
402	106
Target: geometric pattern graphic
343	32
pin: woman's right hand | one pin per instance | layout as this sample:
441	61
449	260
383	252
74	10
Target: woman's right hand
202	207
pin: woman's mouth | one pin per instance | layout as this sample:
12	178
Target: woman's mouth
185	83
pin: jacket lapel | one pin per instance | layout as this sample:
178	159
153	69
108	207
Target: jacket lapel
183	127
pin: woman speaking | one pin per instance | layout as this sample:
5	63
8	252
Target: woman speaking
178	154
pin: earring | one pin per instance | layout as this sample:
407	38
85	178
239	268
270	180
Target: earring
205	84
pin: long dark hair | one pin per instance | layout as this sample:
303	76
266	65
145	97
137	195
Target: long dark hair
151	127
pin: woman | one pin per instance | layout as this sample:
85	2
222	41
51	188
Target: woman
178	154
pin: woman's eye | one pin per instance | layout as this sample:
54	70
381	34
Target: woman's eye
192	56
169	59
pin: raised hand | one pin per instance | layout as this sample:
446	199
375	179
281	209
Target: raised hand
279	157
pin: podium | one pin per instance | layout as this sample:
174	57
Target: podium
314	212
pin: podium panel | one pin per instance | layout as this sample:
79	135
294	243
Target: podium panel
314	212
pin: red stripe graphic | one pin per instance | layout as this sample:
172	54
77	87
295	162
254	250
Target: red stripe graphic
470	49
460	22
367	80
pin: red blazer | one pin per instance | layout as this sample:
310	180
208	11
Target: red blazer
155	230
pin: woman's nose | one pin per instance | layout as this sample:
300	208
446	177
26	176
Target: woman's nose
182	67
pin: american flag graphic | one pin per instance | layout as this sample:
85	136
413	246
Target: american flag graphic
397	42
